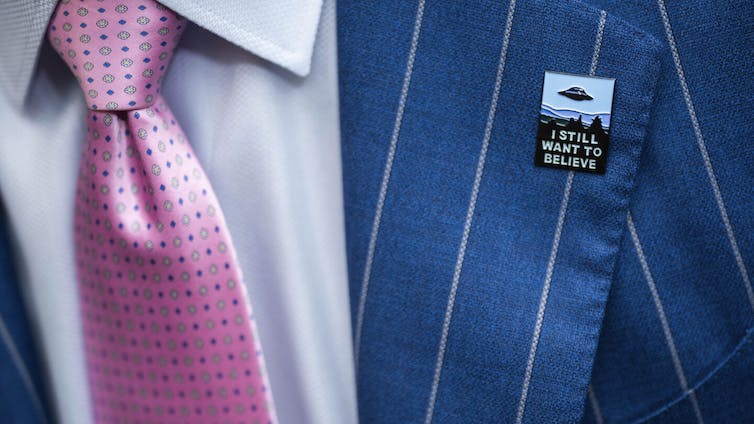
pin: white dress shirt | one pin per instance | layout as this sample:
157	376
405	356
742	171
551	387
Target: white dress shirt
254	86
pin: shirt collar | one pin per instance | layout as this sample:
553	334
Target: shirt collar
281	31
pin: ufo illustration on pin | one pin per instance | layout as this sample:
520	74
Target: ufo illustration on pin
576	93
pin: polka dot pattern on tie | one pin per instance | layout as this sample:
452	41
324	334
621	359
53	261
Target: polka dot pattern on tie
168	331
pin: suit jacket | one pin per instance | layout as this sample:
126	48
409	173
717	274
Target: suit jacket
485	289
23	398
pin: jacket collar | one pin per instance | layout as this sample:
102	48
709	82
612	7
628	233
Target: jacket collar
282	32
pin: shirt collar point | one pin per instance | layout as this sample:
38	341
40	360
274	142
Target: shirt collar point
282	32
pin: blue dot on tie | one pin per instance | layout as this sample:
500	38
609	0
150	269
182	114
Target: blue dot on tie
137	115
149	152
90	80
121	22
142	7
86	52
124	48
110	92
132	103
162	187
128	76
147	60
83	25
101	10
103	37
163	19
144	33
106	64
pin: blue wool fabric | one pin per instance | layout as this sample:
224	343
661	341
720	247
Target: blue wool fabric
701	285
22	397
470	302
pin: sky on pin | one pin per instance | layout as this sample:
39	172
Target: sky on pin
601	89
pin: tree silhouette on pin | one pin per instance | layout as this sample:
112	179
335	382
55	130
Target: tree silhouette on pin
574	125
596	126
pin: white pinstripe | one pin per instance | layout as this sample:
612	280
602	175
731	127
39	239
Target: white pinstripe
470	213
554	250
598	43
592	70
595	405
705	155
23	371
385	181
663	319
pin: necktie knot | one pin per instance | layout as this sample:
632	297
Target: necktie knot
118	51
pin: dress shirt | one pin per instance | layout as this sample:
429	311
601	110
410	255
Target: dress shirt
254	85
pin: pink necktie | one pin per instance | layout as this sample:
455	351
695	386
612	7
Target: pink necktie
168	331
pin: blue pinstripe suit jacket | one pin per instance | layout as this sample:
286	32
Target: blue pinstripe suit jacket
22	396
485	289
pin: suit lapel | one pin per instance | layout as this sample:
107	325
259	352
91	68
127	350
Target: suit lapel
478	282
22	394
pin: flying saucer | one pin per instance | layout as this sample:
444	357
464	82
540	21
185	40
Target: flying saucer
576	93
